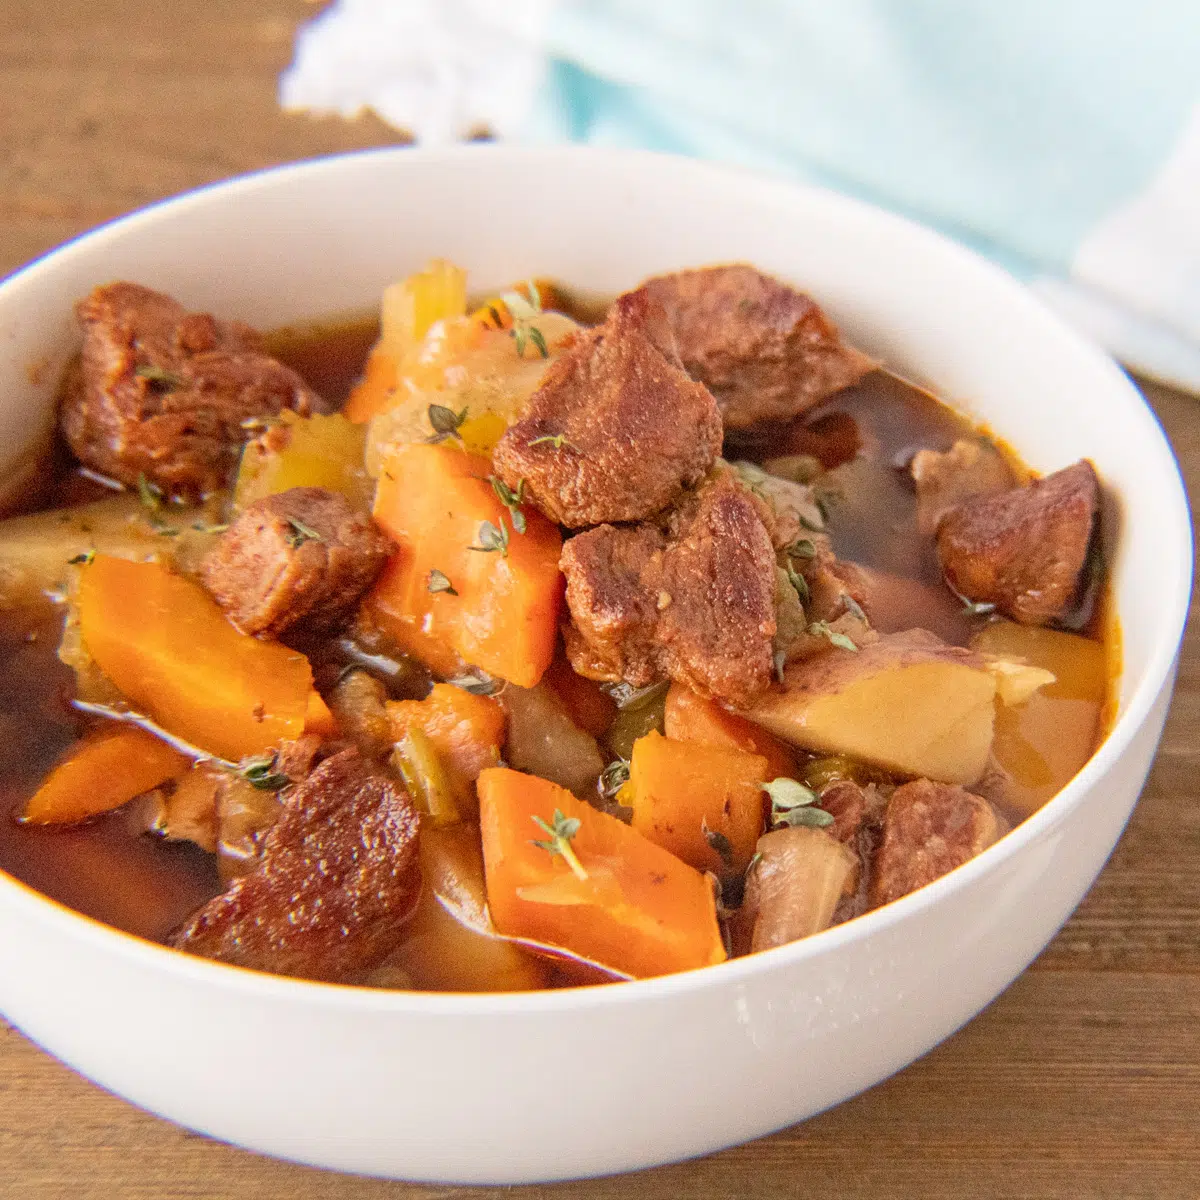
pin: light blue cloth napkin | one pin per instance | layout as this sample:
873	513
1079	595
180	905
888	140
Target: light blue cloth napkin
1060	137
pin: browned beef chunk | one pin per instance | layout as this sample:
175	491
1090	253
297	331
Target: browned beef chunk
616	430
164	392
765	350
930	828
303	556
692	600
1023	550
337	879
944	480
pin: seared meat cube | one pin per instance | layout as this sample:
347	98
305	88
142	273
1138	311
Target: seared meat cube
693	601
765	350
1023	550
164	393
968	469
337	878
930	828
616	430
301	556
854	807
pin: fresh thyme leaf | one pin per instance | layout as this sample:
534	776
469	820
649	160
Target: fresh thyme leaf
535	297
798	582
614	777
478	685
779	661
822	629
301	533
854	608
811	525
150	494
559	834
439	583
444	422
162	379
557	440
497	319
814	818
260	773
539	340
788	793
511	500
519	334
978	608
492	539
794	804
82	559
520	308
802	548
718	843
201	527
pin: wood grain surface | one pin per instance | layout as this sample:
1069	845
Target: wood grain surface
1082	1080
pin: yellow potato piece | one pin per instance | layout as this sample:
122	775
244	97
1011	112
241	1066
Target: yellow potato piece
907	703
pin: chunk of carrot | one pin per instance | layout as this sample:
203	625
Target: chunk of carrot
692	718
165	644
703	803
638	908
495	608
465	730
101	773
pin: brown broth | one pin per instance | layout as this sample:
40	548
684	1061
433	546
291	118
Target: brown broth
142	885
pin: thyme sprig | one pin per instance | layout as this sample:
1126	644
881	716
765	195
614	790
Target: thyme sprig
512	500
301	533
559	833
794	804
160	378
524	313
823	629
557	440
614	777
151	497
798	582
439	582
492	539
260	773
445	422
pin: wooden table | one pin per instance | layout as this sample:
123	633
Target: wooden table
1082	1080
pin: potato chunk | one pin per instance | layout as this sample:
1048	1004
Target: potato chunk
908	703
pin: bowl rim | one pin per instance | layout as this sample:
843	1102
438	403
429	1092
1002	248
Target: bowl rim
1155	677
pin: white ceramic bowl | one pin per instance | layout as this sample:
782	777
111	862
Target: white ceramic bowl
515	1088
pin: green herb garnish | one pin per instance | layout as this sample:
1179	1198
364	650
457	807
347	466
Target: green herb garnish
557	440
301	533
438	582
444	422
802	548
558	841
151	497
798	582
511	500
978	608
260	773
840	640
794	804
614	777
779	661
492	539
524	313
82	559
718	843
162	379
201	527
854	608
478	685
